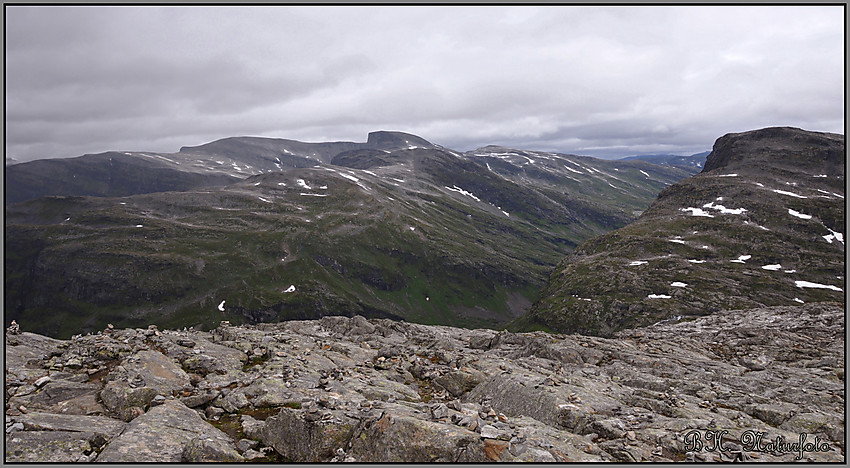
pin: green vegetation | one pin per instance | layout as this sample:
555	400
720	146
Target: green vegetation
415	251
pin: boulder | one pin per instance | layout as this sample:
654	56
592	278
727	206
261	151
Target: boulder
303	441
161	436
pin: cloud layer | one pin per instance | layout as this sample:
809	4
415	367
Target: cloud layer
603	81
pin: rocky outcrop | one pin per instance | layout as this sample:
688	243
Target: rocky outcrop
351	389
800	149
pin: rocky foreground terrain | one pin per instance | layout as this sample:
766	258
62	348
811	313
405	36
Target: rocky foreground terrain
352	389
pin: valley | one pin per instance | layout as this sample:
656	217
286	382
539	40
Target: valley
395	228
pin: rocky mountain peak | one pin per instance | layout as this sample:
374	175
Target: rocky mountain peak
392	141
778	145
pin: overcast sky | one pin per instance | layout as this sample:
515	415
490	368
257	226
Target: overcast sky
601	81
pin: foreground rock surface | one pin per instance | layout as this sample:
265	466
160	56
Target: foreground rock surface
351	389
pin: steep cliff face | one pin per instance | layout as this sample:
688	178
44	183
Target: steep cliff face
352	389
762	225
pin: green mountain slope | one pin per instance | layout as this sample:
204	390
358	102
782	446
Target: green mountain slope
763	224
421	233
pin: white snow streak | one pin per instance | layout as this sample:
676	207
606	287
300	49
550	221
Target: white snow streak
221	306
638	262
742	259
290	289
658	296
790	194
697	212
772	267
806	284
829	238
303	183
723	209
462	192
798	214
570	169
678	284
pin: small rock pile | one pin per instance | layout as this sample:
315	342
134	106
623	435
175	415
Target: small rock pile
354	390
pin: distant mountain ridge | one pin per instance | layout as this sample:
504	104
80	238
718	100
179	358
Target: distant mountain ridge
215	163
693	161
762	225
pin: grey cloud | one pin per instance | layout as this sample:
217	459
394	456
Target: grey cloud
595	80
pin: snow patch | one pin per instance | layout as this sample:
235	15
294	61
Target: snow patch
264	200
772	267
644	173
797	299
290	289
303	183
461	191
790	194
829	237
677	241
571	169
697	212
221	306
139	225
723	209
313	194
727	175
742	259
658	296
349	177
697	261
678	284
807	284
798	214
638	262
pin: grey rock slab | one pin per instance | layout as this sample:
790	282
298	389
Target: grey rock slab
157	370
214	358
47	446
160	436
107	428
398	438
65	396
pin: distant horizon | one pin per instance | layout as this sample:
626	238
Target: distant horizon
683	153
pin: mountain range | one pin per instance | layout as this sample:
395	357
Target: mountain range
254	229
